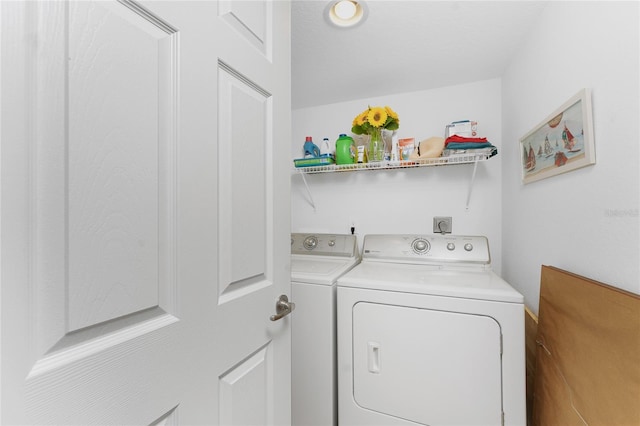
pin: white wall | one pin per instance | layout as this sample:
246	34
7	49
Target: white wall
585	221
405	200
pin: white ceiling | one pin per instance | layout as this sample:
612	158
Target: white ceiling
403	46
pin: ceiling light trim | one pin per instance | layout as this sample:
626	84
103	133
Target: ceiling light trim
332	17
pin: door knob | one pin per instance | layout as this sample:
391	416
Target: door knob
283	308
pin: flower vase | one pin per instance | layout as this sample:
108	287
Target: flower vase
375	152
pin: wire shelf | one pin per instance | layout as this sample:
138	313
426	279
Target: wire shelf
464	158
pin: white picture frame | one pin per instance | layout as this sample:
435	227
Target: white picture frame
562	142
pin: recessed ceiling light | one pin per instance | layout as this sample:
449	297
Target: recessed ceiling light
345	9
345	13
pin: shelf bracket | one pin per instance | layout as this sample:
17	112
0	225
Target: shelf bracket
308	192
473	177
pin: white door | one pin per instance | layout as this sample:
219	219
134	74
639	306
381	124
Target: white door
144	212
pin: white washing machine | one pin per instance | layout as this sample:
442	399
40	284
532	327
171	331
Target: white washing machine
317	261
429	335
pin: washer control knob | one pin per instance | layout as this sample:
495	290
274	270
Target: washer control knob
332	243
310	242
420	246
451	246
468	247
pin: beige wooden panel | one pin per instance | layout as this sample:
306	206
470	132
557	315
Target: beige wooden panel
530	331
587	369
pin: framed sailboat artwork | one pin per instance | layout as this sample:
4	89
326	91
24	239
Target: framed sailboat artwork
561	142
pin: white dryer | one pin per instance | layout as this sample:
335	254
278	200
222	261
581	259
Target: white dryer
317	261
428	334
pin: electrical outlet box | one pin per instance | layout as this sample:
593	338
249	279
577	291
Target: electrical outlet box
442	224
352	226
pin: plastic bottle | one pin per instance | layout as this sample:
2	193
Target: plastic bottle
394	146
345	150
310	149
325	147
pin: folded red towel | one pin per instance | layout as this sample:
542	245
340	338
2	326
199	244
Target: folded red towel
456	138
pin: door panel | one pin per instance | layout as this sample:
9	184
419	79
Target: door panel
251	19
168	419
242	158
118	229
141	256
246	391
98	210
100	173
253	185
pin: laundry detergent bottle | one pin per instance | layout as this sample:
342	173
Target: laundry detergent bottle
345	150
310	149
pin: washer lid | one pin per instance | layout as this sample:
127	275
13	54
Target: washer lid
452	281
319	269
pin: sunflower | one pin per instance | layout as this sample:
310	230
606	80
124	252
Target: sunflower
391	113
377	116
361	118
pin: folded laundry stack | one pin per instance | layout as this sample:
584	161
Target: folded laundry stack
456	144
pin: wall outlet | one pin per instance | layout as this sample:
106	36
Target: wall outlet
352	227
442	224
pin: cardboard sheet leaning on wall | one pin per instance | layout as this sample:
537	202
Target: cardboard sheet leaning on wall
530	349
588	355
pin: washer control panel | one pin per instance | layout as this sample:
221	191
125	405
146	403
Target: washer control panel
427	249
342	245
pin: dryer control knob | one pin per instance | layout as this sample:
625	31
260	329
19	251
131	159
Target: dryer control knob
451	246
310	242
332	243
468	247
420	246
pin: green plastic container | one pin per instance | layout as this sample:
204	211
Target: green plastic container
345	150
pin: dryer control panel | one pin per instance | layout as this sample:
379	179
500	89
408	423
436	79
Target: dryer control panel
427	249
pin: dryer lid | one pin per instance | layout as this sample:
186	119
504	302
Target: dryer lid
452	281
